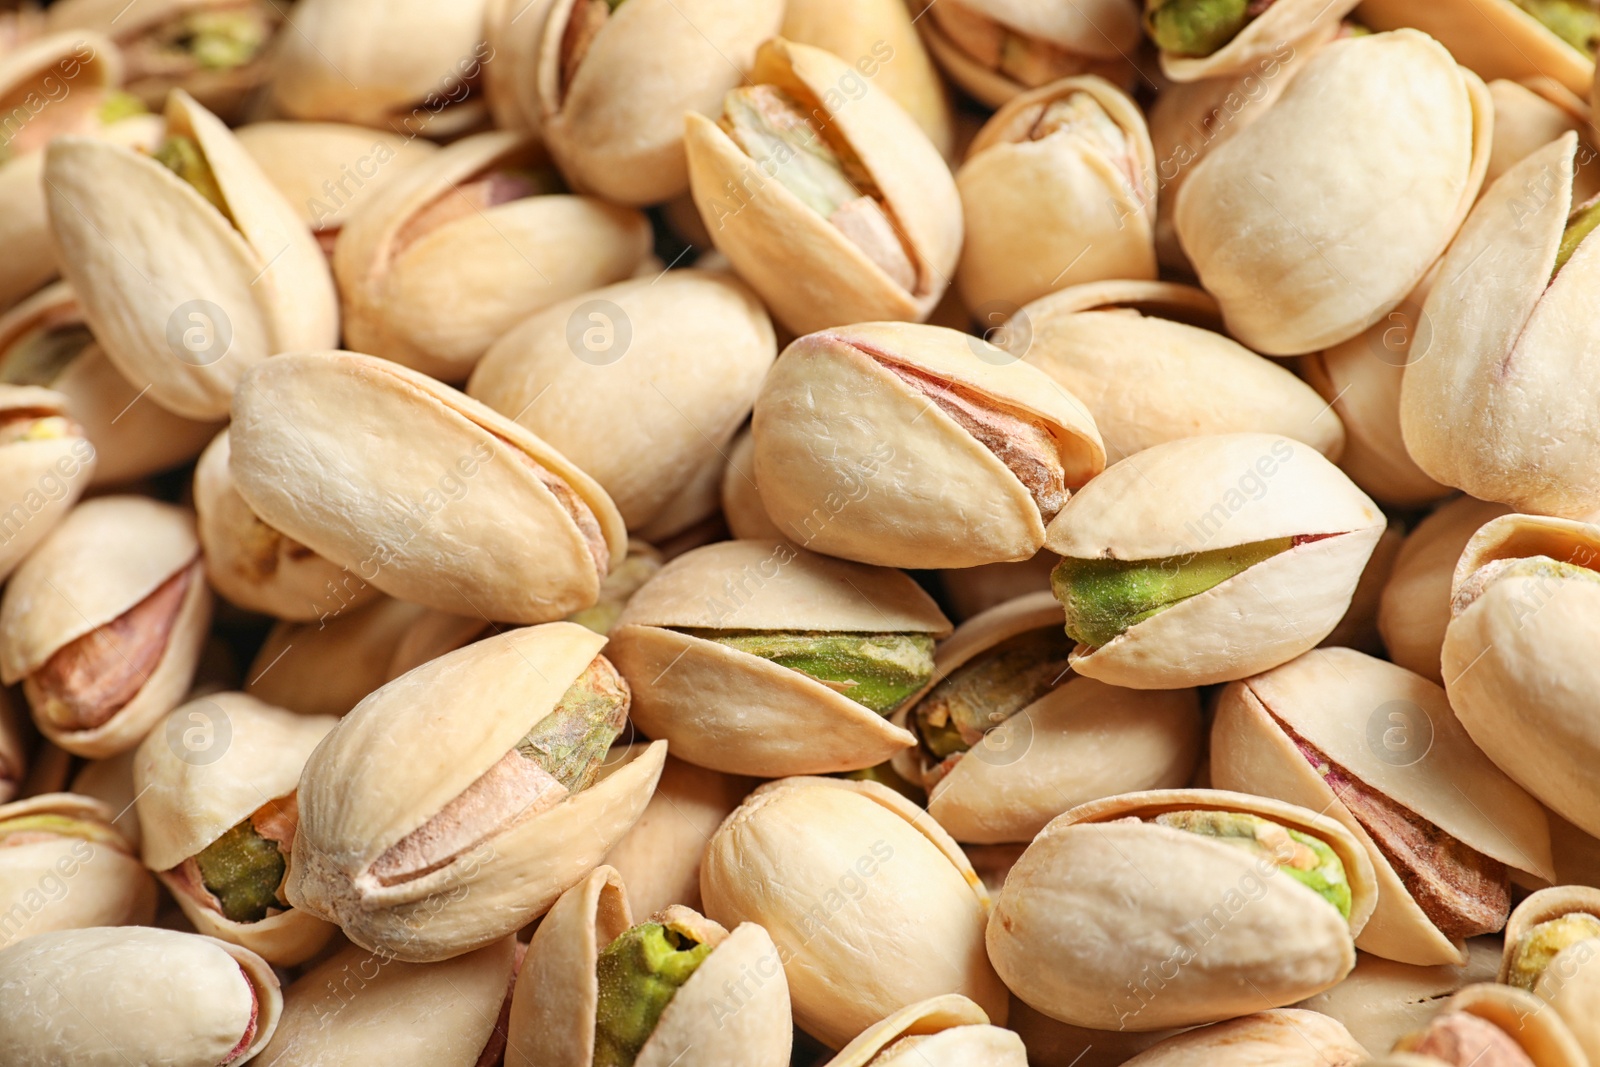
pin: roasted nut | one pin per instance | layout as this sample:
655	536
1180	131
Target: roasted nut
1055	1044
1551	950
1215	38
1498	38
327	667
943	1029
1529	115
1493	1026
746	516
1359	627
1282	1037
48	464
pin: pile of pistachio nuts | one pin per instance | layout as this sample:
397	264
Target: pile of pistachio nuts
799	533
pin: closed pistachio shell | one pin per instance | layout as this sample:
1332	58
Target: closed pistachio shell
44	473
110	781
1529	115
746	516
432	634
1541	1035
327	667
1301	241
1570	980
69	878
153	996
1111	922
644	436
1282	1037
419	489
1495	38
940	1031
857	461
1264	36
730	710
156	265
871	904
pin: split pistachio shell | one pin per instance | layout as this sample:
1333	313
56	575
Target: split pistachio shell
857	461
1301	241
413	747
152	996
871	904
1529	115
734	1008
1282	1037
182	298
419	489
1495	38
359	1008
1294	22
1113	922
45	470
572	376
327	667
1570	980
1187	497
732	711
512	32
809	273
1541	1035
433	268
612	116
1058	189
212	764
746	516
1335	731
1148	377
938	1032
110	556
72	870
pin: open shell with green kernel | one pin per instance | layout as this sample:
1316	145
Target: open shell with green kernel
760	658
1378	749
677	988
1279	1037
1008	737
456	803
1489	1024
1209	559
1178	907
1216	38
1552	949
1514	39
944	1029
216	787
48	463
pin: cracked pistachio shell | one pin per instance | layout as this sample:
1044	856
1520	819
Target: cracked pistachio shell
616	129
1571	982
1058	211
732	711
1529	115
742	509
1281	1037
1114	923
42	479
1147	376
67	883
1494	38
1299	23
872	906
1347	705
734	1008
806	270
643	435
437	301
1519	664
133	439
155	996
254	566
1415	607
104	559
512	31
185	804
1082	741
344	452
150	258
941	1031
1500	402
1292	226
411	748
328	666
1542	1035
859	463
1202	494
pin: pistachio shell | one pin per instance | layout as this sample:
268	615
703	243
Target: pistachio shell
1539	1033
341	452
110	781
1571	983
970	590
326	170
1493	37
1120	924
54	84
851	880
956	1029
1055	1044
14	746
41	479
24	229
1330	249
1359	627
1529	115
746	516
327	667
1293	21
429	636
512	30
1282	1037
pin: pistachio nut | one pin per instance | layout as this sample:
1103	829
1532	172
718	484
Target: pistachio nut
947	1029
328	666
1530	114
565	375
826	196
66	867
454	804
356	1007
1058	189
1201	39
1576	853
613	82
48	464
1008	737
1165	908
917	446
849	878
512	32
157	996
190	267
1147	375
742	509
103	623
692	518
1503	38
995	49
1488	1025
1299	237
1552	949
1281	1037
760	658
110	781
434	475
970	590
1359	627
1055	1044
1377	749
433	268
216	800
598	989
1209	559
15	743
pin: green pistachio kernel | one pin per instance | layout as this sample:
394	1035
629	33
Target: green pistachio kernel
639	973
1306	859
182	156
40	358
1104	597
119	105
1195	27
1579	226
571	742
1539	945
774	129
617	589
223	40
50	825
991	687
877	671
243	870
1576	22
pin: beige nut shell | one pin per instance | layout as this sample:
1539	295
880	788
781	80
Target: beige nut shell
1294	21
40	480
1571	982
742	509
1530	114
1541	1034
327	170
951	1030
1281	1037
327	667
1495	38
